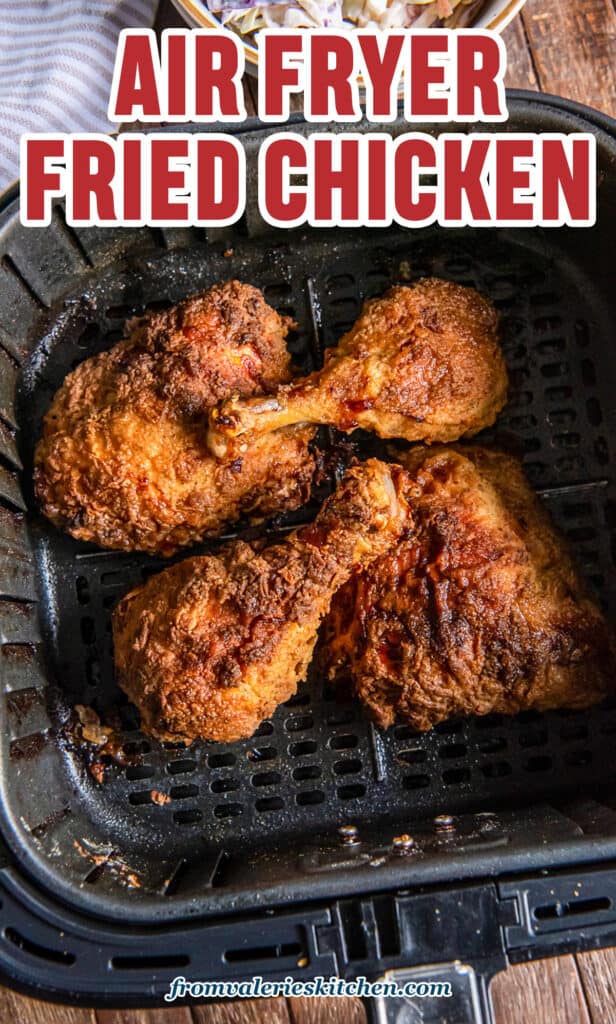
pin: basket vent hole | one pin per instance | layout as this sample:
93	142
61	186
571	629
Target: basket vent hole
277	291
228	810
56	956
344	742
452	750
543	324
350	766
303	748
601	451
593	411
183	792
221	760
82	588
299	723
578	758
492	745
88	630
581	534
553	347
345	305
140	771
89	336
265	729
188	816
456	776
121	312
258	754
496	770
561	394
554	910
414	755
449	728
307	771
142	796
299	700
340	717
550	370
589	376
269	803
489	722
135	747
181	766
267	779
416	781
149	963
539	763
246	954
544	299
93	671
536	738
403	732
561	418
352	791
574	731
225	785
577	510
309	797
338	282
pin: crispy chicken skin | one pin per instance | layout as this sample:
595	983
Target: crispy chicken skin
478	609
209	647
422	363
123	460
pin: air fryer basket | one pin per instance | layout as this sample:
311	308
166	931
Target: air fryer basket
256	824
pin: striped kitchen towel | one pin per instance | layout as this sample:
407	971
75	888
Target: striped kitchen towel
56	62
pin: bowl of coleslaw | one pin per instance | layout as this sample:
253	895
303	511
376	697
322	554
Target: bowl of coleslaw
248	17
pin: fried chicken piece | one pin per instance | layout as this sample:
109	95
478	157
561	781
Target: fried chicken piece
478	609
123	460
421	363
210	647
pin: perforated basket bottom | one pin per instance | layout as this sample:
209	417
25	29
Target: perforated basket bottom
319	762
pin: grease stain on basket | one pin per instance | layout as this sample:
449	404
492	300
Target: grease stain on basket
105	858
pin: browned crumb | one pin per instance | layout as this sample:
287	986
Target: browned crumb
159	798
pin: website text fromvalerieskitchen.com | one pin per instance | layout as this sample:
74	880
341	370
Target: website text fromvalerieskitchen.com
257	987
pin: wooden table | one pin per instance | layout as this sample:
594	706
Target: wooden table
565	47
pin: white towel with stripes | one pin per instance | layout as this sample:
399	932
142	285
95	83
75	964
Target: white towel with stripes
56	63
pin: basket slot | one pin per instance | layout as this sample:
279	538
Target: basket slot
17	579
8	449
19	312
178	238
10	489
13	533
101	245
8	381
46	259
19	623
26	712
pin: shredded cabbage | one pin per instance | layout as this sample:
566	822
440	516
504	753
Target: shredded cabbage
247	17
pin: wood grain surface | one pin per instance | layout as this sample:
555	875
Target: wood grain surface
565	47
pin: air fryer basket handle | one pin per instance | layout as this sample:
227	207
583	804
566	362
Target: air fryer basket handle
461	995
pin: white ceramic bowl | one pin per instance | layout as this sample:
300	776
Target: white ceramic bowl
495	15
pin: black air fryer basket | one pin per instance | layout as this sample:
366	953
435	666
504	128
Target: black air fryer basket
281	854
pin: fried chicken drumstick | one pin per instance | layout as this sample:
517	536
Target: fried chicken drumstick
478	609
209	647
123	460
421	363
